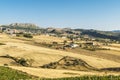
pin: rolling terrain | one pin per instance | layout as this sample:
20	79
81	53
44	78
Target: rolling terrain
23	47
28	27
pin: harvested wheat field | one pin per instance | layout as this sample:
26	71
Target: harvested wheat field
41	56
52	73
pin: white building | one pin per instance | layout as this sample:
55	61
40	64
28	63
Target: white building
74	45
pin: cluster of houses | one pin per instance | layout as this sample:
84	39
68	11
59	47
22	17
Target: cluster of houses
10	31
87	41
84	44
76	40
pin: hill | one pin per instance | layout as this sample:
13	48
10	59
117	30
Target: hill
116	31
69	63
19	47
100	34
82	32
28	27
22	25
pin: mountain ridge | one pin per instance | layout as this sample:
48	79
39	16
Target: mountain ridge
29	27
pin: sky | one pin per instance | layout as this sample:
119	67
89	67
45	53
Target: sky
83	14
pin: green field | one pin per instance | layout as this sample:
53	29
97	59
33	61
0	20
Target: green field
10	74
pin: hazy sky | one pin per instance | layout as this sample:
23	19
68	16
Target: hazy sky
87	14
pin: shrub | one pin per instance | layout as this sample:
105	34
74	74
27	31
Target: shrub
28	36
5	64
18	35
2	44
64	42
54	43
22	61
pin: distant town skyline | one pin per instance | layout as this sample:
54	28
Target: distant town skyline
83	14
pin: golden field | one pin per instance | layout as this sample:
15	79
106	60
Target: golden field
21	47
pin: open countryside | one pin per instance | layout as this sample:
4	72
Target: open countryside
59	40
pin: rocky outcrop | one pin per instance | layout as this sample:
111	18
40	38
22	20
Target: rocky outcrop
24	25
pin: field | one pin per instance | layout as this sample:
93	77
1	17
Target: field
25	48
10	74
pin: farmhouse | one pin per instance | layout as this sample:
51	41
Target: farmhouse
72	45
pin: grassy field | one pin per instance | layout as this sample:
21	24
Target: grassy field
11	74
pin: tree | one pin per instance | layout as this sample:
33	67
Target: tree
28	35
64	42
22	61
55	43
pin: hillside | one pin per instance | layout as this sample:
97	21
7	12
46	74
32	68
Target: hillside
90	32
82	32
100	34
22	25
12	74
116	31
38	54
19	47
28	27
69	63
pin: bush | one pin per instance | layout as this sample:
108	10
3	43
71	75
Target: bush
2	44
18	35
23	62
5	64
28	36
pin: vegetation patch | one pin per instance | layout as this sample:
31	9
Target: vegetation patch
28	36
109	77
7	73
71	73
2	44
20	61
117	69
69	63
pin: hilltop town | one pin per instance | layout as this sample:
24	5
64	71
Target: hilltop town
89	39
